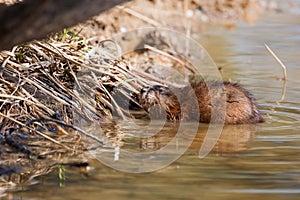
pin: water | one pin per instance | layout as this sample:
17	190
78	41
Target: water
249	162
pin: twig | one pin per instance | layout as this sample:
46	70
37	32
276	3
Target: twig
119	111
188	35
35	101
279	61
15	90
71	126
170	56
140	16
57	52
284	72
283	91
53	94
41	53
108	72
8	96
38	132
153	78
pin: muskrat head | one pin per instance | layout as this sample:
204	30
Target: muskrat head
149	96
162	96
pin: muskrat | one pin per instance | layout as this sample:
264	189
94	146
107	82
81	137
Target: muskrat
178	103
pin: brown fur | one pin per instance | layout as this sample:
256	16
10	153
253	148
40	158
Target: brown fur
231	103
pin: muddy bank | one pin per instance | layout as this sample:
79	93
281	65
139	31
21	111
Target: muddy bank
185	16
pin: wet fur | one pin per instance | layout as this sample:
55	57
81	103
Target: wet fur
179	104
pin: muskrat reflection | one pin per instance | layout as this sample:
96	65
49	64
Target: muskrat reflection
232	139
143	136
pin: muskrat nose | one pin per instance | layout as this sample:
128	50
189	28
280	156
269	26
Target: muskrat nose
144	89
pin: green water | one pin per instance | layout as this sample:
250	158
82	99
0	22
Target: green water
249	162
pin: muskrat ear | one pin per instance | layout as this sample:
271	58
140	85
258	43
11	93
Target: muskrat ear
161	89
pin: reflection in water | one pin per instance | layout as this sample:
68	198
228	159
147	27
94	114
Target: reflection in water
140	146
233	138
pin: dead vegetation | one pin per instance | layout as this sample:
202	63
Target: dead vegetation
49	87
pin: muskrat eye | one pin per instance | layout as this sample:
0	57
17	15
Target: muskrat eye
159	88
144	89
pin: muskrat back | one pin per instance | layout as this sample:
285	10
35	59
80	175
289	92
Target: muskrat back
239	107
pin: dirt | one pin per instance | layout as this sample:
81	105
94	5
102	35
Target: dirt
191	16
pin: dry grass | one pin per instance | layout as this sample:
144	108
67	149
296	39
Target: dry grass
48	86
